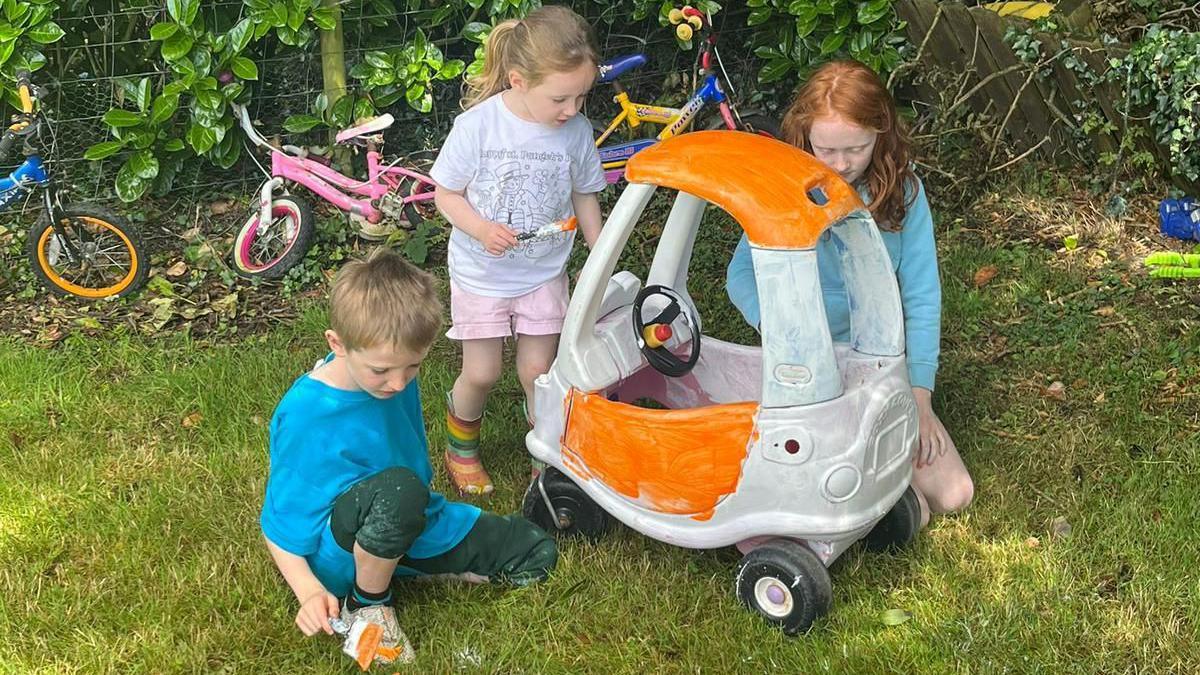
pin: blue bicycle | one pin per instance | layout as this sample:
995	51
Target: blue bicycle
710	90
81	250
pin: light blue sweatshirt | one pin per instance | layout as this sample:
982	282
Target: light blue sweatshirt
914	260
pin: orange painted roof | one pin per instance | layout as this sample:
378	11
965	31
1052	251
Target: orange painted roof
762	182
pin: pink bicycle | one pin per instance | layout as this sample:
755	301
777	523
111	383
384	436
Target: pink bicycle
279	233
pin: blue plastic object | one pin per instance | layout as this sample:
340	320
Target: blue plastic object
614	68
1180	218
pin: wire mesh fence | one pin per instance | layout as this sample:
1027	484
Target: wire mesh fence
109	46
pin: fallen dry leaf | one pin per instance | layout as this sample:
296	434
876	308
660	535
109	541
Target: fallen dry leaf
221	207
1105	311
1056	390
178	269
984	275
192	420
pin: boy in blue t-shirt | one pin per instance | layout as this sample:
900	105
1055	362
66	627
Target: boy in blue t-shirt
347	504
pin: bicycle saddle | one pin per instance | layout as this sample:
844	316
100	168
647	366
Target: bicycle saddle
372	125
614	68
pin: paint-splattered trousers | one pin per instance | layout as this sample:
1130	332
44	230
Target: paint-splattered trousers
385	513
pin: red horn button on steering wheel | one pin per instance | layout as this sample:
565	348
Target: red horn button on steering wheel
656	334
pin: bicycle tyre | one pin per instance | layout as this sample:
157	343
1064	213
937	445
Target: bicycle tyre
751	122
64	274
271	263
764	125
417	212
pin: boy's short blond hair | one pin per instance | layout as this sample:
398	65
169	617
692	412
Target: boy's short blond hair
384	299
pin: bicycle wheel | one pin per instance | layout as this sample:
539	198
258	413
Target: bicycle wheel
418	211
97	254
269	252
762	125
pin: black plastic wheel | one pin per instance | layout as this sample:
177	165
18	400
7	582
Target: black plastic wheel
899	527
785	582
104	256
574	512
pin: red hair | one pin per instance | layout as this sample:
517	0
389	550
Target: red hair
852	91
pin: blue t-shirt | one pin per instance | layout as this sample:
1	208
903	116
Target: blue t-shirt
914	261
324	440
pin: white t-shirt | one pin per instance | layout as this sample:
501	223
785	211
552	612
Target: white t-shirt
521	174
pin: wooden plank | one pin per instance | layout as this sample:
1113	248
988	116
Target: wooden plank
951	55
1072	100
998	89
1033	111
917	28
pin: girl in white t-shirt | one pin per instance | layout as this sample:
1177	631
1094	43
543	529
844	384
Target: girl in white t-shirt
520	157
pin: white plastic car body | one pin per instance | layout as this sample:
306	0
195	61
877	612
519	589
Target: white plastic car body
801	440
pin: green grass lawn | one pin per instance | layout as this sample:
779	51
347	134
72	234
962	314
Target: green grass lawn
132	472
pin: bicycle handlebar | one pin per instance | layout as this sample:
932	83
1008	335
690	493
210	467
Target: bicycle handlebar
23	90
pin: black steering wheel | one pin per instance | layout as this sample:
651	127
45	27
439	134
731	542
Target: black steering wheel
652	334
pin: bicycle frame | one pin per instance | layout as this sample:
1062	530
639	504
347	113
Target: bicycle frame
675	120
31	174
348	194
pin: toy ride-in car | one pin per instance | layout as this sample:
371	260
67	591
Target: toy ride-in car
802	446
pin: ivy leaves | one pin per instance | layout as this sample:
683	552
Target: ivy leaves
1164	71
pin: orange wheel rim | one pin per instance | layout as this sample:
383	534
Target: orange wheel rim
86	291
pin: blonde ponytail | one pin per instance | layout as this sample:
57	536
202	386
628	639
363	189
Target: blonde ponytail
552	39
493	79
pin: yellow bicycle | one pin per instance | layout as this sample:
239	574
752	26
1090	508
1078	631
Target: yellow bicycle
712	89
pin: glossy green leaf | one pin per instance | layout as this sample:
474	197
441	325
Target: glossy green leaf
177	46
164	30
129	185
300	123
144	164
46	33
163	108
120	118
240	34
245	68
102	150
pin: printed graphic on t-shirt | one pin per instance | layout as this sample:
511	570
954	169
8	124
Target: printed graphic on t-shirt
520	174
523	194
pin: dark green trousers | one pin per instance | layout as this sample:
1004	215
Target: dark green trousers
385	513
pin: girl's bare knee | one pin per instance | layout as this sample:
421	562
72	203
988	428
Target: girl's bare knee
480	379
956	496
528	372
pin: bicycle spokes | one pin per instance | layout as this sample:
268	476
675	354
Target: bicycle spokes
87	253
271	241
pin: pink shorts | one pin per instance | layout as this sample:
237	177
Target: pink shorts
538	312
